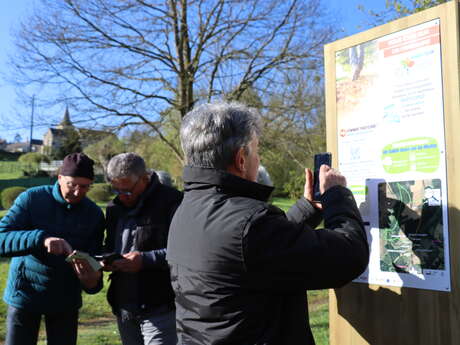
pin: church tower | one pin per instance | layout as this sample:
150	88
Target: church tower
65	123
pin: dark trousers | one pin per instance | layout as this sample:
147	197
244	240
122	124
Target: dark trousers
22	327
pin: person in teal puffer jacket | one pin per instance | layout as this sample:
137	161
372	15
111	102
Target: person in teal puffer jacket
40	230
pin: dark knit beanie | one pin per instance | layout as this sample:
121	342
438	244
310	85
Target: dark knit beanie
77	165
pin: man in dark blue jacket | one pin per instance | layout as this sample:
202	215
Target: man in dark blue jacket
240	267
138	222
40	230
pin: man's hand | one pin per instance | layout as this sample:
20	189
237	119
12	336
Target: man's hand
107	267
57	246
88	277
308	189
132	262
329	177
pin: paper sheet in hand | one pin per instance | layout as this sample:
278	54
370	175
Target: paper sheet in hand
84	256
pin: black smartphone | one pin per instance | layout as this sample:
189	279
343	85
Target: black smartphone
108	258
320	159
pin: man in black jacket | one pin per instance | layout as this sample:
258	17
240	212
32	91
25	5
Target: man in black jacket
138	222
240	267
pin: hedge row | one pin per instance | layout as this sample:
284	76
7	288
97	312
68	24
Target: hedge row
9	195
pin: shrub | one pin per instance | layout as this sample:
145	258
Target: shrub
35	173
295	185
33	158
31	164
10	194
100	192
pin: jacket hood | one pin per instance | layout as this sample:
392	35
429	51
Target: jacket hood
203	178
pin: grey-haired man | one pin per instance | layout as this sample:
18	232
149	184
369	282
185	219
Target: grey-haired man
138	222
240	267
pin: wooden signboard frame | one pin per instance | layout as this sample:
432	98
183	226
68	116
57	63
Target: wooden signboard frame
382	315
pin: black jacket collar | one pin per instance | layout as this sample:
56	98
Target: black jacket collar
203	178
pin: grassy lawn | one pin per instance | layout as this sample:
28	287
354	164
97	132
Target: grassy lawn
97	325
3	276
10	175
318	308
283	203
10	170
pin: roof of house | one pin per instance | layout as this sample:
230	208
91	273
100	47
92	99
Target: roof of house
15	147
66	124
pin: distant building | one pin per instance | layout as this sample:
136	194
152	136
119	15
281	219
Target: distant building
17	147
55	137
3	144
37	145
25	147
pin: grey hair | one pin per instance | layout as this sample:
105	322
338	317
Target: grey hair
125	165
263	177
212	133
164	177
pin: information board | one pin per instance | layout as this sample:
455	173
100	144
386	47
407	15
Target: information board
391	148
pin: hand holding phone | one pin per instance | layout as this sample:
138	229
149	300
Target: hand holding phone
319	159
108	258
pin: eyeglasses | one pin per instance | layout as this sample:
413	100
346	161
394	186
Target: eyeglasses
74	186
125	192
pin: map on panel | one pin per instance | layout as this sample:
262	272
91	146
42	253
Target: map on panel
411	226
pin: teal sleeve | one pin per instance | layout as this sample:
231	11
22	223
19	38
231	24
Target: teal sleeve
16	237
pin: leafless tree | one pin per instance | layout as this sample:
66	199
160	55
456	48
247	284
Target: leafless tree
130	62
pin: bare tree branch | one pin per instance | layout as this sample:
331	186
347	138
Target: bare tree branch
126	62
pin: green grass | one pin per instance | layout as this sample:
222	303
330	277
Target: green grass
318	309
96	332
96	325
283	203
12	169
3	306
10	175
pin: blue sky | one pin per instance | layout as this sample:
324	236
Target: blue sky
10	12
349	18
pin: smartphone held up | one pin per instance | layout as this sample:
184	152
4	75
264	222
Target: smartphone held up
319	159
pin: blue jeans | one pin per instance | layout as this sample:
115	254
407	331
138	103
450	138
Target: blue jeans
22	327
156	328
